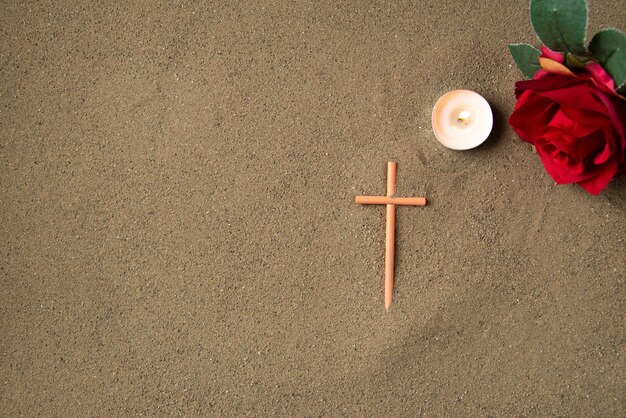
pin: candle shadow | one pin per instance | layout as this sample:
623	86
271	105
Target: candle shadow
499	125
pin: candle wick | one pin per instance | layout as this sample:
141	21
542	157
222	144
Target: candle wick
464	117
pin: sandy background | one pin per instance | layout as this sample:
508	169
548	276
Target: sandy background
178	232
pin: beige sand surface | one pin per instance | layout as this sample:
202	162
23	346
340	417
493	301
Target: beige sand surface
178	233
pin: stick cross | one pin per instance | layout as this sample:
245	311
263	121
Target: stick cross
391	203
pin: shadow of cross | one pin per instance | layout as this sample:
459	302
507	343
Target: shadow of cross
391	203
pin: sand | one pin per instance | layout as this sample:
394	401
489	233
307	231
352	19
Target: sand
179	233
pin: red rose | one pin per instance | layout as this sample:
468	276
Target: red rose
576	121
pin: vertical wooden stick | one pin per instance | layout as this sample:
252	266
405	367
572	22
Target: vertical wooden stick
390	234
391	178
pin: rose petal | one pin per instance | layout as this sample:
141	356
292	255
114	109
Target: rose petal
579	149
564	123
600	76
532	113
555	56
603	155
541	73
556	165
554	67
576	140
547	83
597	183
616	110
568	91
576	96
600	119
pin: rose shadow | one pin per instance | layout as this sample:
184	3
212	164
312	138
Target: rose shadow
615	193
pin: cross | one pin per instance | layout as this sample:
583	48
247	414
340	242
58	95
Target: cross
391	203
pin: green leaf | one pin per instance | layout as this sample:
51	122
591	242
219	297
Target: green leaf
609	47
560	24
526	57
572	61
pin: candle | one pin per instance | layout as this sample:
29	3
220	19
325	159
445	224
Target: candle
462	119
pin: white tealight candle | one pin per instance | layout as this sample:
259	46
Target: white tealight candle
462	119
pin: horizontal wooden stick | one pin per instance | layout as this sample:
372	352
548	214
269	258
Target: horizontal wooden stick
385	200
